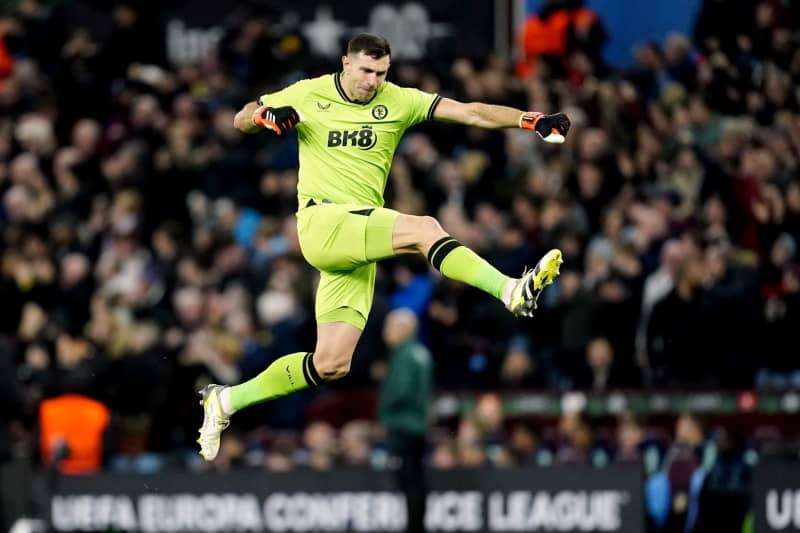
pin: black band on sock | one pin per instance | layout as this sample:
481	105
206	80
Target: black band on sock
442	252
436	246
309	372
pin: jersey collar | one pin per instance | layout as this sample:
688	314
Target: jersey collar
340	90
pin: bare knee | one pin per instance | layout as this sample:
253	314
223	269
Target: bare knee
429	232
336	342
332	365
430	226
416	234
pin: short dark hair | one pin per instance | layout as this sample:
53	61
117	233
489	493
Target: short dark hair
372	45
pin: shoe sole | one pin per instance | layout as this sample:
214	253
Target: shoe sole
204	394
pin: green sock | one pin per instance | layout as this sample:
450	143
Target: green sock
458	262
288	374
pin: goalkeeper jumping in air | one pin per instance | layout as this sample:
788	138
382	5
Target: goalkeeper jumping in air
349	125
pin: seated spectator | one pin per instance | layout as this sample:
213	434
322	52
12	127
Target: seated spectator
630	438
470	445
355	443
444	456
320	446
578	444
602	372
525	448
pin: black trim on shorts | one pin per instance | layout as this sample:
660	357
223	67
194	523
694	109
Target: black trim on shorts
363	212
311	202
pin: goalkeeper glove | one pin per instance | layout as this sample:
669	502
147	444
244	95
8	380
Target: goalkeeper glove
551	128
278	119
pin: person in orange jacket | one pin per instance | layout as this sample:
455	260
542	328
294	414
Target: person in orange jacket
72	433
561	27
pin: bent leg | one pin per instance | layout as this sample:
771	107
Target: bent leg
424	235
336	342
334	239
415	234
342	305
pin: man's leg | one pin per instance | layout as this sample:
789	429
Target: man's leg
330	360
407	460
424	235
343	301
415	234
336	342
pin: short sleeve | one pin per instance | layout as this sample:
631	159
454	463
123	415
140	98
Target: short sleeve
291	95
420	105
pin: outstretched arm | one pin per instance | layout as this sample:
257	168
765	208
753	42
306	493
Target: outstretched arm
243	121
551	128
477	114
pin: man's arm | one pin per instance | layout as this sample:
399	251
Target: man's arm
477	114
243	121
551	128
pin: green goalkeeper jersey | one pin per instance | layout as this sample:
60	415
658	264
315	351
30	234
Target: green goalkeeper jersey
346	147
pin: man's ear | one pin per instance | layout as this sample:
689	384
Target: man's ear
345	61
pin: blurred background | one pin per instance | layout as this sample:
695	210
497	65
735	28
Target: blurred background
148	248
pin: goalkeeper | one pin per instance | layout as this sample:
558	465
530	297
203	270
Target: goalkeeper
349	125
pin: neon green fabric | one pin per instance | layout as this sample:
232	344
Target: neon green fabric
343	242
462	264
284	376
346	148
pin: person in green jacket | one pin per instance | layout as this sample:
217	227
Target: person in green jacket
403	410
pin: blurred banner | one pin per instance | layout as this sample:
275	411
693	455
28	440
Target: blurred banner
560	498
192	28
776	496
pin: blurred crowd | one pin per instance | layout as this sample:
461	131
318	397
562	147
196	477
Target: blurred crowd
673	458
486	437
148	247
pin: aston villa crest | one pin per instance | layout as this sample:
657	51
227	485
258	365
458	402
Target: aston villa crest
379	112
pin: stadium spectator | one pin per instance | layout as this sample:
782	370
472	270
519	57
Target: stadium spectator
130	206
320	447
404	410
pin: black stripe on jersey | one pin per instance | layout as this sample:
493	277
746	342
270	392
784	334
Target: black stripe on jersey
432	108
343	94
339	88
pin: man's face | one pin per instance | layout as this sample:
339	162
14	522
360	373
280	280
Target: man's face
363	75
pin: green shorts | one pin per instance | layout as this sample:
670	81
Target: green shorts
343	242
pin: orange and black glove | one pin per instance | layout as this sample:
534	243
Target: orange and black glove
278	119
551	128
